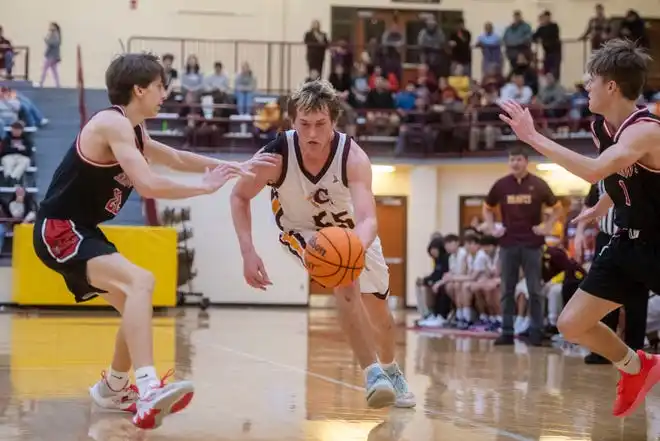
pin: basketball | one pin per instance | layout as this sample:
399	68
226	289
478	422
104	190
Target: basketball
334	257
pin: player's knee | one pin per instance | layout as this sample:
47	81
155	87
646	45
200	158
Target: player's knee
569	326
142	282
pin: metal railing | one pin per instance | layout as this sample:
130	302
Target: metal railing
280	66
21	60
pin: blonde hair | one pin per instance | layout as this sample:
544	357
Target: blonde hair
315	96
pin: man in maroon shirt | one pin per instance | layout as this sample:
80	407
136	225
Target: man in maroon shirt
521	197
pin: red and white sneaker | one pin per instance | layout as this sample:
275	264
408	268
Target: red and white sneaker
161	401
124	400
632	389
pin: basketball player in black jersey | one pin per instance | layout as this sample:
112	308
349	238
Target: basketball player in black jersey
109	158
628	138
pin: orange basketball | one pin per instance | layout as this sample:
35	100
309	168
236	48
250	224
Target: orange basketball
334	257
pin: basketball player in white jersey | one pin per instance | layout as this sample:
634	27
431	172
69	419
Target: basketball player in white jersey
324	179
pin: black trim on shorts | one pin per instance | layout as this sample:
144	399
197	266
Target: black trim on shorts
379	295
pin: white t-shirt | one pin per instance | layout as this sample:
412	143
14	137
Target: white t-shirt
479	263
458	262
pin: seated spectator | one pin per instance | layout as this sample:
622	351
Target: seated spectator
579	111
16	153
460	82
436	251
492	80
192	80
30	112
341	81
416	128
405	99
517	90
6	55
425	79
267	121
22	206
198	131
245	84
348	116
172	83
391	80
217	84
10	107
552	96
486	288
526	69
360	87
381	115
450	111
485	123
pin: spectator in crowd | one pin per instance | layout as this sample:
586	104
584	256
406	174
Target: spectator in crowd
172	84
391	79
267	121
393	44
487	122
520	196
23	207
6	55
579	107
493	80
517	38
360	87
517	90
381	116
245	85
30	113
192	79
16	153
460	81
432	41
341	53
552	96
217	84
416	128
633	27
405	99
10	106
523	67
52	57
547	35
598	29
491	49
636	307
449	112
426	81
316	42
341	81
436	251
461	51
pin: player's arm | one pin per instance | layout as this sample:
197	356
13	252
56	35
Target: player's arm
180	160
116	130
244	191
635	142
359	176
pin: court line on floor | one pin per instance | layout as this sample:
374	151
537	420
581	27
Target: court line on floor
446	415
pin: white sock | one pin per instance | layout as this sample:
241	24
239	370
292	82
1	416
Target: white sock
145	378
631	364
492	319
499	318
116	381
483	317
467	313
459	313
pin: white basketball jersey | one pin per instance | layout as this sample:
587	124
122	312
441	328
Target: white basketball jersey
306	202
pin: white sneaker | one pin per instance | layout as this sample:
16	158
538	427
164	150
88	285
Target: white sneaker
124	400
161	401
432	322
404	397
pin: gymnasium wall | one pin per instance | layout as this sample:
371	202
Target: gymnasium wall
98	24
433	194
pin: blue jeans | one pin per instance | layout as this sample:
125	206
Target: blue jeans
9	62
244	102
33	115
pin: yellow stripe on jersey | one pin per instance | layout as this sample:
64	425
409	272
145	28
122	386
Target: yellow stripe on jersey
295	243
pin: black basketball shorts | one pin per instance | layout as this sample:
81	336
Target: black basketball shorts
624	267
65	247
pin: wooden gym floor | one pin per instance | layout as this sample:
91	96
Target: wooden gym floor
287	375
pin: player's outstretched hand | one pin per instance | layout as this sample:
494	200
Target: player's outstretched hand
519	119
259	160
219	176
588	215
254	271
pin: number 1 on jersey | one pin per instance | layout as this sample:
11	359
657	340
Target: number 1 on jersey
625	191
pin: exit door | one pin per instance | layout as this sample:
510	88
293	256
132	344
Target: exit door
391	216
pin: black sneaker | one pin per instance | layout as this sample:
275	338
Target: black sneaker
504	340
594	358
535	338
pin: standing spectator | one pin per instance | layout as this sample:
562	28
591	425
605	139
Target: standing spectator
598	29
52	58
317	43
633	27
245	85
517	38
393	42
341	53
22	206
6	55
431	41
16	153
461	52
547	35
193	79
520	196
491	49
637	306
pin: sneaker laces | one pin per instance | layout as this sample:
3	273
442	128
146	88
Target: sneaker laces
399	382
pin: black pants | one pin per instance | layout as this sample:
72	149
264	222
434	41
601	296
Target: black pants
443	304
635	307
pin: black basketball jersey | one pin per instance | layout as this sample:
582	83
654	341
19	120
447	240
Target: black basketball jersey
635	190
87	192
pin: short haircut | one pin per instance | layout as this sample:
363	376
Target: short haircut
621	61
451	238
489	240
315	96
518	150
130	70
